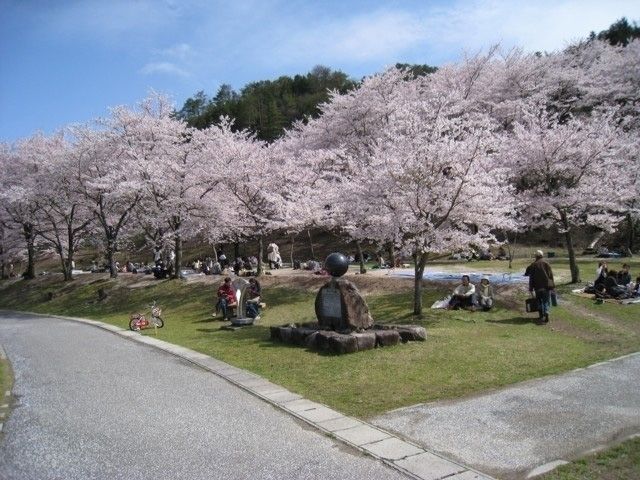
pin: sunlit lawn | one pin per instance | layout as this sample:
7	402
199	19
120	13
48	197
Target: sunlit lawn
465	352
621	462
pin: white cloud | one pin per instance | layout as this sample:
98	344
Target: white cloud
433	33
181	51
545	25
381	34
166	68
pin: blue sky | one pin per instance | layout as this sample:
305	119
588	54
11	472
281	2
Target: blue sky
67	61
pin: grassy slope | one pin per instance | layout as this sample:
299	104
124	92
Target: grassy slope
465	352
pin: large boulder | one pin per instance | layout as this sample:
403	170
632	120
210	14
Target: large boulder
340	306
334	342
410	333
365	340
387	338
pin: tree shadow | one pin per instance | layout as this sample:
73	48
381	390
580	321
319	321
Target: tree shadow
516	320
208	320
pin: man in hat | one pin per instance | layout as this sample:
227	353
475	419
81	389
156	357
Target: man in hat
541	282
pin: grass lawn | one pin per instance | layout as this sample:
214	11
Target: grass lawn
621	462
465	352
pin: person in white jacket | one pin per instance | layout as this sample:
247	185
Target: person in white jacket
463	295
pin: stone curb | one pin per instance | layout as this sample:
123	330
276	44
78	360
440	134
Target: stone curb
397	453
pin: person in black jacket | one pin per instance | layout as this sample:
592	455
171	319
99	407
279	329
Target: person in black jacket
541	282
612	287
624	276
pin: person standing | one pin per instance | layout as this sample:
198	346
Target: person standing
273	255
541	282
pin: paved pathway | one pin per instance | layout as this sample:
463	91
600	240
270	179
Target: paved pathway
90	404
517	431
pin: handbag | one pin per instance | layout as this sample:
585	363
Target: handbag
531	305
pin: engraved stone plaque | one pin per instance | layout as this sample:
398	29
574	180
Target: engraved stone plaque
330	304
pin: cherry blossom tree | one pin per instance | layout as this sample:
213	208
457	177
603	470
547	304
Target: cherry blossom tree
568	173
416	167
18	188
249	183
433	182
64	217
11	245
110	180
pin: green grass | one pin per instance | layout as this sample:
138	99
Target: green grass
6	379
465	352
621	462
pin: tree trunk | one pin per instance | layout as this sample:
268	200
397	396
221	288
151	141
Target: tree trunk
3	269
110	252
420	261
573	264
236	250
392	256
361	257
260	253
177	263
631	240
65	264
313	255
293	239
30	273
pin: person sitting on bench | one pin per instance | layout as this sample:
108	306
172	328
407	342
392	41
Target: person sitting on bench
254	291
226	298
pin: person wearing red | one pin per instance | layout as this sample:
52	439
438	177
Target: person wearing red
226	298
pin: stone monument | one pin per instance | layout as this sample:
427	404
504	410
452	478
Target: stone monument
344	322
240	286
339	305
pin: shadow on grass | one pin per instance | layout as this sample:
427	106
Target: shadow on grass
207	320
209	330
515	320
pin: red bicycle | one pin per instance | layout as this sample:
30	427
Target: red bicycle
139	321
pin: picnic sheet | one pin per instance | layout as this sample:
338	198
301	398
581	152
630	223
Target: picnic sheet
627	301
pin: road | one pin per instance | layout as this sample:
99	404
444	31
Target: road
93	405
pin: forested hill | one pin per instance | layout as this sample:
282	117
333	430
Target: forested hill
268	107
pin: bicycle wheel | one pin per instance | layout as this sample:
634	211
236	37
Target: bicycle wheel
133	323
158	322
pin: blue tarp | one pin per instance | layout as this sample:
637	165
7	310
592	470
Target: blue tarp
475	277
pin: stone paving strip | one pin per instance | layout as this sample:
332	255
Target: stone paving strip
404	456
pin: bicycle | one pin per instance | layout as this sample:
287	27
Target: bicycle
138	321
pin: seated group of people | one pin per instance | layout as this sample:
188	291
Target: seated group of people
227	299
614	284
467	295
221	266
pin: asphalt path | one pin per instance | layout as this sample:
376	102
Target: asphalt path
92	405
515	431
